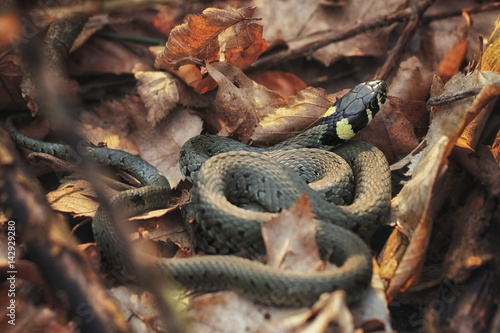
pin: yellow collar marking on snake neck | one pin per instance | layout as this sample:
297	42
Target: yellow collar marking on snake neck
344	129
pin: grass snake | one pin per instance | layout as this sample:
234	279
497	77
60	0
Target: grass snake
238	187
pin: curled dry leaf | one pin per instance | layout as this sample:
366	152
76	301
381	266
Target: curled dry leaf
215	35
243	104
74	197
414	208
454	57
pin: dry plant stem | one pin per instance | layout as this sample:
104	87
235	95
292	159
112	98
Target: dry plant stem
52	248
447	99
409	30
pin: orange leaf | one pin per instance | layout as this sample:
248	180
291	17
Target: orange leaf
214	35
453	59
245	47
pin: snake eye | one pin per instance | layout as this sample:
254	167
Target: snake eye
374	105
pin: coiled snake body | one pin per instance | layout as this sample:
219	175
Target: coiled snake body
237	187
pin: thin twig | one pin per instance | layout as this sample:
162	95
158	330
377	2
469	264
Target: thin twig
447	99
409	30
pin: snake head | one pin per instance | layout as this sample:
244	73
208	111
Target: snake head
361	104
353	111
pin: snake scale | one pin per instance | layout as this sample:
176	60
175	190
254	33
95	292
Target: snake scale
238	187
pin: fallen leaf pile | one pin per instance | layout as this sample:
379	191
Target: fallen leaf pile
258	72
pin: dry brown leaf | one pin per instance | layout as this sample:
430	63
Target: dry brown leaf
373	312
242	49
412	80
158	91
139	307
104	56
285	84
491	57
296	21
220	312
74	197
159	146
414	208
290	239
391	131
243	104
477	120
168	228
206	38
453	59
298	114
237	108
93	24
97	136
168	17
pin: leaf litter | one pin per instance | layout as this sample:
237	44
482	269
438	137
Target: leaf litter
156	123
